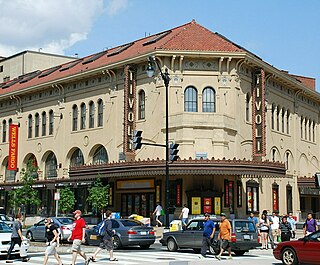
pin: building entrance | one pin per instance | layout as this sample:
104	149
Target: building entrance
138	203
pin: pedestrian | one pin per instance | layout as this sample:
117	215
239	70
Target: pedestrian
207	235
292	222
252	226
224	236
77	236
16	237
106	241
264	226
285	229
185	216
52	235
275	227
310	225
157	211
270	237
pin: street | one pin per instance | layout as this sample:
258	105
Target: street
156	254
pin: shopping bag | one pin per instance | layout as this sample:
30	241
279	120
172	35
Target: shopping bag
279	239
162	212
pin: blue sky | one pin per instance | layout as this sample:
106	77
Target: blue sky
283	33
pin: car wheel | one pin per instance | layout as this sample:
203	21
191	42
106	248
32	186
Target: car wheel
172	245
29	235
239	252
213	250
144	246
116	242
289	257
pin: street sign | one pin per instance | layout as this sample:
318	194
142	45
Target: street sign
57	196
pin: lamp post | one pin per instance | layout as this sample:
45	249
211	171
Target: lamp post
166	79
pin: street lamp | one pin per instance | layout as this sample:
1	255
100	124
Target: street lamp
166	79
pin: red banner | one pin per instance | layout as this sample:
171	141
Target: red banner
13	147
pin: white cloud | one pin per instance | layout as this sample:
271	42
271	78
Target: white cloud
53	25
114	6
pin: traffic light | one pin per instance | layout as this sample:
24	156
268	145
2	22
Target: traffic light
137	140
317	180
174	152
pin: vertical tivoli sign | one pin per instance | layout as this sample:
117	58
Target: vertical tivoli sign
13	147
129	111
258	113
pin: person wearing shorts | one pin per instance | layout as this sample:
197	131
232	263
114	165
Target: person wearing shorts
77	236
106	241
52	236
224	236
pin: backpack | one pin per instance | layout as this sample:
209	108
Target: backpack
100	229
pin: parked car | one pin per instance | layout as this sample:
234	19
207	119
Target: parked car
37	231
303	250
299	225
6	219
5	240
242	239
128	232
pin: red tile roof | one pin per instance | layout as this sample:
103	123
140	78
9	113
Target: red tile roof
307	81
188	37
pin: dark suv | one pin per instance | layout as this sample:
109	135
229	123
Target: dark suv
244	236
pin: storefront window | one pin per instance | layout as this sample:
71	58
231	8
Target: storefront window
239	194
289	199
252	196
275	197
229	194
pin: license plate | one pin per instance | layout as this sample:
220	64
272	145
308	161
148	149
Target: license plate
246	237
143	233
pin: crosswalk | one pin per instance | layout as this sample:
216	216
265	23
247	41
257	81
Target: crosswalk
132	258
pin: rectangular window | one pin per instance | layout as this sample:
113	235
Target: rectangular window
289	199
239	194
252	197
1	68
275	198
44	124
226	193
51	120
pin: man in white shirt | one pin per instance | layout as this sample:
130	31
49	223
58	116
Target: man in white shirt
157	212
293	224
275	226
185	215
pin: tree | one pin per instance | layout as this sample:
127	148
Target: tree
26	195
67	200
98	196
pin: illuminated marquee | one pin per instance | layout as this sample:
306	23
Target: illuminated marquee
258	112
13	147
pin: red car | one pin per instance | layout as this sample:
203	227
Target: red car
304	250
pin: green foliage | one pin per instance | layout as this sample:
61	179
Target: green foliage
98	196
25	194
67	200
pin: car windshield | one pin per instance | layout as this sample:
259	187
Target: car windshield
131	223
4	218
244	226
65	221
4	228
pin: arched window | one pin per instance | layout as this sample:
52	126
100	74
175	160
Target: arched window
83	116
100	113
305	129
190	99
247	107
288	121
91	114
32	161
4	131
301	127
283	117
36	125
314	132
278	118
77	158
51	166
309	129
100	156
274	154
44	123
29	126
141	109
74	118
51	121
208	100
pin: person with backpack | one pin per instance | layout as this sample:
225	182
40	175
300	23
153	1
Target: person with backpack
310	225
105	233
52	235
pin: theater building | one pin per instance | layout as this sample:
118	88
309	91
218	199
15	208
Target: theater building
248	133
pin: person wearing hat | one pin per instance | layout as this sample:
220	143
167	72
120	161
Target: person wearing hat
77	236
224	236
52	236
208	233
